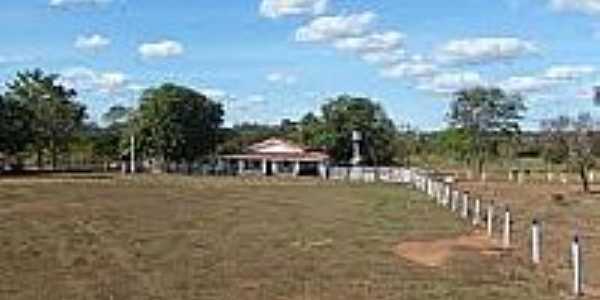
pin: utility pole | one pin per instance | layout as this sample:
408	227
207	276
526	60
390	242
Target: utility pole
132	154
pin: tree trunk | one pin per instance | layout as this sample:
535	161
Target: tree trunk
40	159
583	173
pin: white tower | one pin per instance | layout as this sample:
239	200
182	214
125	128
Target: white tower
356	143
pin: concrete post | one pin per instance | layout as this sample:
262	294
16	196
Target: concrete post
550	176
521	177
577	266
440	194
454	200
297	168
429	187
448	195
490	219
507	229
465	206
477	213
241	166
264	167
132	154
536	242
564	179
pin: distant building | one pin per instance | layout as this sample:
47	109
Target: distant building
277	157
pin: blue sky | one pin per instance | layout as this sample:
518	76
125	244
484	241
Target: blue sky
273	59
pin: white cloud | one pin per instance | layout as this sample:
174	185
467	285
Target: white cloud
409	69
280	77
214	93
375	42
569	72
257	99
111	81
15	59
585	6
281	8
550	78
161	49
445	83
330	28
481	50
84	79
136	87
526	84
585	94
384	57
64	3
92	42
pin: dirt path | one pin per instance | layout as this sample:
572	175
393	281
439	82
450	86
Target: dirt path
437	253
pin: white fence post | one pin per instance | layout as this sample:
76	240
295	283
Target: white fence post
454	200
477	212
465	206
438	193
428	186
490	219
507	225
577	266
448	194
536	242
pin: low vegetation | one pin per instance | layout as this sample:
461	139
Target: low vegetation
187	238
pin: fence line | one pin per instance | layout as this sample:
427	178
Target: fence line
443	191
440	188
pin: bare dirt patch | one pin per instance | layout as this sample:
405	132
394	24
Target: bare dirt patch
438	252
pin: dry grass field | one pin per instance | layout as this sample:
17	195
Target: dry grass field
563	211
225	238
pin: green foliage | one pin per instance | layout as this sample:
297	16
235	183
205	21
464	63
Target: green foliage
455	142
572	140
341	116
486	115
176	123
54	116
116	114
15	130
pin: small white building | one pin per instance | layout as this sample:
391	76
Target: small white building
277	157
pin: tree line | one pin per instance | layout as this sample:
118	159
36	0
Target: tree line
44	124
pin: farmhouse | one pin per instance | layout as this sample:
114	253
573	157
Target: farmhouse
277	157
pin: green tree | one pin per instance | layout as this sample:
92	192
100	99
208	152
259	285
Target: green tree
54	115
486	114
177	124
344	114
15	130
454	142
116	114
578	146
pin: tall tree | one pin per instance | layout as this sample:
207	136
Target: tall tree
486	114
54	115
177	124
15	130
344	114
573	140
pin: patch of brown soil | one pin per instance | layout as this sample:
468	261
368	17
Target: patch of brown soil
436	253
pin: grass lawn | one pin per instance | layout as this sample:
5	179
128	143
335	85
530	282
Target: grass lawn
192	238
